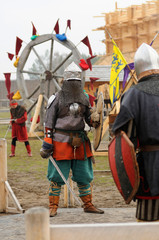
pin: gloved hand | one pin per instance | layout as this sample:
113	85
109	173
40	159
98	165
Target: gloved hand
95	119
12	121
95	116
46	150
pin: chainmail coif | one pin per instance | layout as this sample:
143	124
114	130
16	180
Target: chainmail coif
72	92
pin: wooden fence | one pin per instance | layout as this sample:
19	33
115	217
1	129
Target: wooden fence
5	189
38	228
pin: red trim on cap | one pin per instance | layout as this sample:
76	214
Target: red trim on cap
13	104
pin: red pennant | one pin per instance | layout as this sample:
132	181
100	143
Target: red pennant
83	64
56	28
87	43
7	81
93	79
88	60
11	56
18	46
91	99
69	23
34	30
37	121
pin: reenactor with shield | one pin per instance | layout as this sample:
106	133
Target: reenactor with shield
138	119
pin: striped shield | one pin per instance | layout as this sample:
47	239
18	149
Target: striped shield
123	165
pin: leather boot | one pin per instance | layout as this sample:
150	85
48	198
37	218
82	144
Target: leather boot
12	151
29	150
88	206
54	202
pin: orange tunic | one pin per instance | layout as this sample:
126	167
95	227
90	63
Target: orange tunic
64	151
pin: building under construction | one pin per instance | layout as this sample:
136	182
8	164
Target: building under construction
130	27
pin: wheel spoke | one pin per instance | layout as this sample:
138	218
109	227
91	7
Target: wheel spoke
45	98
56	84
36	89
48	89
68	56
32	106
50	66
51	54
29	72
39	58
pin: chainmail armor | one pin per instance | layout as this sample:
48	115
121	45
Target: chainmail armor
149	84
72	92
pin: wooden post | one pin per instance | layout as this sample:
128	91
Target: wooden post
3	174
68	197
35	117
66	200
37	224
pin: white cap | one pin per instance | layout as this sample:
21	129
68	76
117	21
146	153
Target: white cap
72	72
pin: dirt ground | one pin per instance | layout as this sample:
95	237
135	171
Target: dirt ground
32	192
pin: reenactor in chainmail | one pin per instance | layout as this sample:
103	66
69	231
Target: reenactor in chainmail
140	107
66	140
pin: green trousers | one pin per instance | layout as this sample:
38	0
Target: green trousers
82	174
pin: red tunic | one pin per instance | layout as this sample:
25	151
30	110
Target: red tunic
18	130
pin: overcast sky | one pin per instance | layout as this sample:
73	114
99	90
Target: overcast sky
16	17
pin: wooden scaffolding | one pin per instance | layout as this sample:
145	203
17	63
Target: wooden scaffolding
130	27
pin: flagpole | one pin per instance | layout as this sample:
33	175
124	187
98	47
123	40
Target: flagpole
66	30
126	64
154	38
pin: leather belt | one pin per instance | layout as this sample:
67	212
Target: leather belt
62	132
149	148
66	133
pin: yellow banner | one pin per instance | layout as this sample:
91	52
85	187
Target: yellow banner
118	63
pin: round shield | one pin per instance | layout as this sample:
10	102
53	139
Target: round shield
97	133
124	166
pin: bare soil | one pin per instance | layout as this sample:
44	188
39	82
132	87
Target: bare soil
32	192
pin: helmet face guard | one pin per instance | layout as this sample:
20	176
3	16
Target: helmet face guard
146	61
72	72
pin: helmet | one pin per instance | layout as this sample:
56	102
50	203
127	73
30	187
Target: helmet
72	72
146	61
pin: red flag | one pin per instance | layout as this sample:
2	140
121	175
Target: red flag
10	95
7	81
56	28
91	99
93	79
88	60
69	23
11	56
18	45
87	43
34	30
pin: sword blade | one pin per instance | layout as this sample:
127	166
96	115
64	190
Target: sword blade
7	131
61	174
64	179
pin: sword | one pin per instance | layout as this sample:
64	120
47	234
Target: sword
64	179
8	126
61	174
7	131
